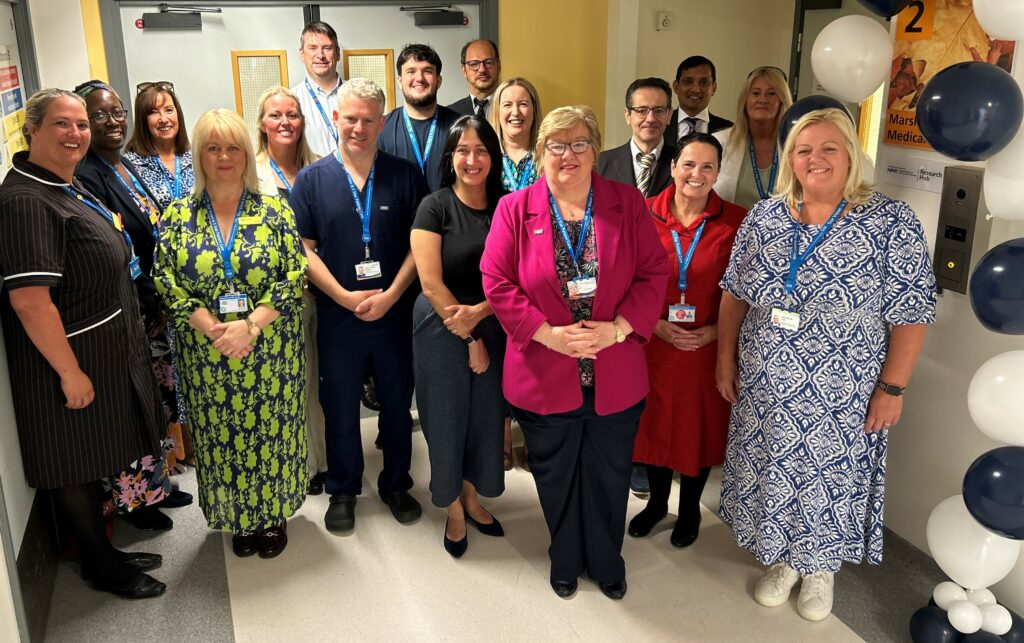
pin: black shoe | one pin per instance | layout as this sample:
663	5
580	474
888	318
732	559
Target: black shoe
455	547
137	586
403	507
685	533
175	499
564	588
488	529
148	519
245	544
638	482
341	514
272	541
369	396
141	560
316	485
642	523
614	591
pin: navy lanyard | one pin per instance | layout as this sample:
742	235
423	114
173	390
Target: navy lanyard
421	157
113	219
575	252
320	108
225	248
280	174
365	212
684	262
757	173
795	259
138	194
523	180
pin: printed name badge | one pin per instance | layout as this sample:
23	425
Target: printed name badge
785	319
682	313
367	270
234	302
582	287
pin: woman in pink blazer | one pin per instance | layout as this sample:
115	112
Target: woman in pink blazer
575	274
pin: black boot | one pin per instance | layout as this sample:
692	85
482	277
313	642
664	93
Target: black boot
660	480
687	526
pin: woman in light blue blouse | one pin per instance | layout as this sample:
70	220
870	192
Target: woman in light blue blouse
159	143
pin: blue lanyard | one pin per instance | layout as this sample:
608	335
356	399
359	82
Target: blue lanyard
174	184
138	194
757	173
574	251
796	260
225	248
280	174
684	262
113	219
523	179
365	211
320	108
421	157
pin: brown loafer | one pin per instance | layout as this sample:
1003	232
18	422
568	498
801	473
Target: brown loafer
272	541
244	544
508	461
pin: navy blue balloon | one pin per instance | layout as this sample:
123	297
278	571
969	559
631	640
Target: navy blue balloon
981	637
803	107
997	288
1016	633
886	8
970	111
994	491
930	625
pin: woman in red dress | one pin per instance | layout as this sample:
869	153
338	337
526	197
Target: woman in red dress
686	423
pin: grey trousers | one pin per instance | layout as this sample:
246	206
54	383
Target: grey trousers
317	450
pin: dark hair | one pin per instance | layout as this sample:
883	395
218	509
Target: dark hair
420	53
89	86
142	142
696	61
698	137
495	188
648	83
322	28
465	48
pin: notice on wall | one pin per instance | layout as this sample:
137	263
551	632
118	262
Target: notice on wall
920	174
932	35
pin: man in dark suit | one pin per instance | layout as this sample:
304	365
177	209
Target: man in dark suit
694	85
481	66
646	159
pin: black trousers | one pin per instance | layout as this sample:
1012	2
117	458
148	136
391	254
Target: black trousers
581	463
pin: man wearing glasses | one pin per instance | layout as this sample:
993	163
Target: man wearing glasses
481	66
645	160
318	91
695	84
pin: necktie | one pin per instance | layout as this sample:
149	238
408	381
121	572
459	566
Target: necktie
481	106
643	181
691	123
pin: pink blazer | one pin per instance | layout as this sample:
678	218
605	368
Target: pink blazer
521	284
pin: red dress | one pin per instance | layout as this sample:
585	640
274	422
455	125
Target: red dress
687	421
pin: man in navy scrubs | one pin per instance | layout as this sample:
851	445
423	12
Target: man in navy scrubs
354	210
417	130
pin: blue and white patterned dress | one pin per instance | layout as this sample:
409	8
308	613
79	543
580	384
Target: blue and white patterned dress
803	484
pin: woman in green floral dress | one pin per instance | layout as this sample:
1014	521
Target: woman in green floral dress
230	268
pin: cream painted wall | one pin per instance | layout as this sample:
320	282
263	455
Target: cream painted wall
57	27
8	617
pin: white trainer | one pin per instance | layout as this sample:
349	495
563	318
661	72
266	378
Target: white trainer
773	590
815	601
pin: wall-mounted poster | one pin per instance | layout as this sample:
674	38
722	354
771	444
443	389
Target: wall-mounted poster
930	36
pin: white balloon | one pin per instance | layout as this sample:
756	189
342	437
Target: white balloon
996	619
851	57
947	593
981	597
972	556
1002	19
965	617
1004	180
995	398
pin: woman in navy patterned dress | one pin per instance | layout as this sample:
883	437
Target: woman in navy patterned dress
827	294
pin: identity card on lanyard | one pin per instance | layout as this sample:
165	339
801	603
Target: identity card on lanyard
421	157
320	108
366	269
134	269
233	301
681	312
139	196
757	173
581	287
523	179
786	318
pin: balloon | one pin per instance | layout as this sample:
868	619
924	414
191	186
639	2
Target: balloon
851	57
980	637
997	288
970	111
996	619
994	398
886	8
981	597
1002	19
965	616
972	556
1016	633
994	491
930	625
1004	183
803	107
947	593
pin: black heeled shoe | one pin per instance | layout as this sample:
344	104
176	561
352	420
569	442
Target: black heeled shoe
685	533
642	523
615	591
455	547
488	529
564	588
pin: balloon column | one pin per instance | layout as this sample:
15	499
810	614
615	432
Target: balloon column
886	8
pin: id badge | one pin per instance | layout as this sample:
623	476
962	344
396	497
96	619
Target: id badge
582	287
682	313
367	270
234	302
134	268
785	319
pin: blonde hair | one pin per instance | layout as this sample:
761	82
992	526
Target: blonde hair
565	118
741	129
39	104
303	155
787	186
534	97
363	89
229	125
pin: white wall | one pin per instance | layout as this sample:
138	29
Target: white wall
8	618
60	42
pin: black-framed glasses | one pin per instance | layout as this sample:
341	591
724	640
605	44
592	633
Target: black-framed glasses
765	68
161	85
558	148
489	63
642	112
100	117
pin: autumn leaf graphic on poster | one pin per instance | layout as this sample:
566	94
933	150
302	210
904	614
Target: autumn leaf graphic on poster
932	35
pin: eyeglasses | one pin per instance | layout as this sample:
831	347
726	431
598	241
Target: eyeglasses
489	63
642	112
760	70
161	85
100	117
559	149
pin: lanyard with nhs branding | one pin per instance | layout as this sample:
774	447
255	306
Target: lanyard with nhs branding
682	312
232	301
115	220
757	173
365	269
139	196
280	175
421	157
523	179
320	108
581	287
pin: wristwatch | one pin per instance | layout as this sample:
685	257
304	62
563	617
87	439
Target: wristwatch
890	389
473	336
619	335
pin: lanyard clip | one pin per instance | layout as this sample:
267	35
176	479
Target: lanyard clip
366	249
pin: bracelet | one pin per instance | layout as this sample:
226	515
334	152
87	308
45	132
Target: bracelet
547	342
253	329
